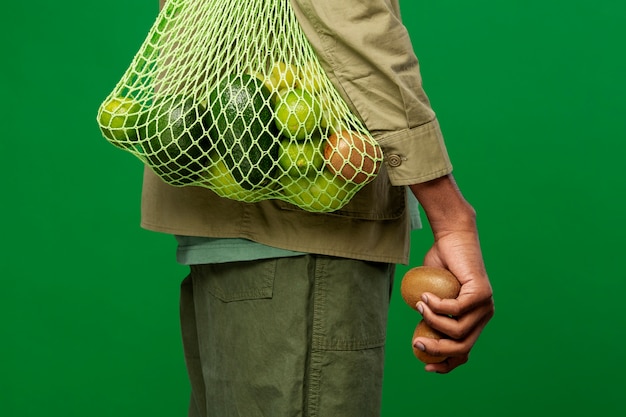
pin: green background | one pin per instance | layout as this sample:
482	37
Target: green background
531	99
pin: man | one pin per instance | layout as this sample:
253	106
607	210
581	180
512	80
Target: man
284	311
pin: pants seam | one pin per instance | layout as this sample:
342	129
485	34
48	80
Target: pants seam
319	303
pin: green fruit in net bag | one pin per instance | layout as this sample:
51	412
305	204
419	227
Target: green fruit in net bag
281	76
231	96
310	77
118	118
298	113
351	156
174	140
301	158
243	130
220	179
323	193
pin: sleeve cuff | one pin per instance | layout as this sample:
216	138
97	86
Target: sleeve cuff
415	155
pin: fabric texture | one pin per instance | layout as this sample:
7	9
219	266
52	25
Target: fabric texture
299	336
374	226
193	250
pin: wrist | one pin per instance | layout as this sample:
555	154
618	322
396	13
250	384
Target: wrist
445	207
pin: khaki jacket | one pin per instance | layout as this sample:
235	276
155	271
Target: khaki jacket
366	52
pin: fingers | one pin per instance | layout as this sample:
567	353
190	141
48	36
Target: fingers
474	302
455	351
447	365
472	295
450	346
463	330
456	322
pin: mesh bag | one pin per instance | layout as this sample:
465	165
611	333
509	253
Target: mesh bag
230	95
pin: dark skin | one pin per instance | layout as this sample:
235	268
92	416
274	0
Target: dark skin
456	247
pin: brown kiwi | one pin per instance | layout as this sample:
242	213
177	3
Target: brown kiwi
423	279
424	330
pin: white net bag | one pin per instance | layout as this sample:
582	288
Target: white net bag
230	95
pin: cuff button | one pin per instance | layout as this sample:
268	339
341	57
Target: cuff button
394	160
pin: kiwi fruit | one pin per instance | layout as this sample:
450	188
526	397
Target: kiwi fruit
421	279
416	282
424	330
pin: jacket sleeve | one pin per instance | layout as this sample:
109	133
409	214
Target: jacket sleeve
367	53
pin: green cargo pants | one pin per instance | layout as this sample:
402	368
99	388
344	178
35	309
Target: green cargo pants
289	337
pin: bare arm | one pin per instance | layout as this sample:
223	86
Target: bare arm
456	247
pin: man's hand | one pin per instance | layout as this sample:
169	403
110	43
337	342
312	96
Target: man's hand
456	248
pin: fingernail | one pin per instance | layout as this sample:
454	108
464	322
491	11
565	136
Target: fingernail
420	346
425	298
420	308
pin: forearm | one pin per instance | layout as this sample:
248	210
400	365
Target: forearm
453	223
444	205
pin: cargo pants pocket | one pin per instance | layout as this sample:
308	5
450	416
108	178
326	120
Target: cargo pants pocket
247	281
232	307
351	303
